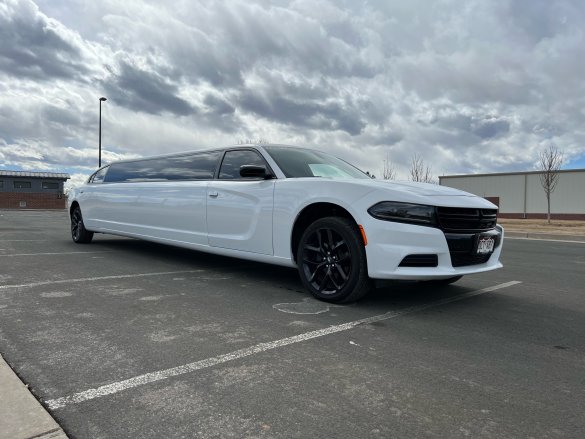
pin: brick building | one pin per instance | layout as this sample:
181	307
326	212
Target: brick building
32	190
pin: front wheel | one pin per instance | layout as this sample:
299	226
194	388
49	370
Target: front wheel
331	260
79	233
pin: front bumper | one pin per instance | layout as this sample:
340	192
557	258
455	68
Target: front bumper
390	242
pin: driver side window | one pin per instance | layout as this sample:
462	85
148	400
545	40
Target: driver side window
230	167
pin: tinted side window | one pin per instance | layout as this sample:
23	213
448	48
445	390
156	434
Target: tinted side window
230	167
200	166
129	171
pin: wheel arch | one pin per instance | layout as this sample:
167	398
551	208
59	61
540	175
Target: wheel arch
310	214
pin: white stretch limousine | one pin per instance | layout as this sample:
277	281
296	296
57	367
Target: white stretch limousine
293	207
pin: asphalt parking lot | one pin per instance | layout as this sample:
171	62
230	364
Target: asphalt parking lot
123	338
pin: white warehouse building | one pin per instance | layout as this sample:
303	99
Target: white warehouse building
520	194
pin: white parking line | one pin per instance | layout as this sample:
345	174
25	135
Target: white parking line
24	240
544	239
91	279
160	375
24	232
55	254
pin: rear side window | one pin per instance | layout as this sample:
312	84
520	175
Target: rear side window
230	167
199	166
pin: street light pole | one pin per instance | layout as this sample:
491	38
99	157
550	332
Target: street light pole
102	99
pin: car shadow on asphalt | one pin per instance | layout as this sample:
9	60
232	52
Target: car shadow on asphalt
383	295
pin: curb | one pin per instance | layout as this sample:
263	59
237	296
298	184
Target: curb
23	417
544	236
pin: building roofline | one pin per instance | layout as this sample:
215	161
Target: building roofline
28	174
500	174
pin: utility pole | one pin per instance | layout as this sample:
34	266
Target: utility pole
102	99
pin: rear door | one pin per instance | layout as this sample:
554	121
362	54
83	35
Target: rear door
161	198
239	210
170	205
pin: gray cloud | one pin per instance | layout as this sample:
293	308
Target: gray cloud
387	138
53	114
461	124
490	127
361	79
218	105
303	102
310	114
146	91
33	46
532	21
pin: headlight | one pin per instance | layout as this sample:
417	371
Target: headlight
404	212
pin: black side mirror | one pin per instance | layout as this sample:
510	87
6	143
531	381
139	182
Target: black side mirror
254	171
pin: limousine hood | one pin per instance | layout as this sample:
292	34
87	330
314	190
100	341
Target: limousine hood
373	191
426	193
410	187
425	189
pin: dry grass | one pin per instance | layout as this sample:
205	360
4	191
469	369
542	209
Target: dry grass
556	227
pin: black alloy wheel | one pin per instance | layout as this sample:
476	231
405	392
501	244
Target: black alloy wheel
78	231
332	262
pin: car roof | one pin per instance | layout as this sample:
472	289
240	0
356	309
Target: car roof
225	148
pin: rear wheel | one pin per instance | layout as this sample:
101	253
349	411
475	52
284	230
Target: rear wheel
331	260
78	231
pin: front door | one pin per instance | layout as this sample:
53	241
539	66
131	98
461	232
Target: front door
239	210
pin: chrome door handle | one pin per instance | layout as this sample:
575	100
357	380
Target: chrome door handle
213	194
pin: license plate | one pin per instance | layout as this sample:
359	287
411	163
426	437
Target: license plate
485	245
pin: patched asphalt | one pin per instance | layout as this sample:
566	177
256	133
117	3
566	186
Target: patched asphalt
504	363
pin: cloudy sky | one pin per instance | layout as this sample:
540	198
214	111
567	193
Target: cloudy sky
470	86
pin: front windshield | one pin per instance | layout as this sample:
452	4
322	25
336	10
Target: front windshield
296	163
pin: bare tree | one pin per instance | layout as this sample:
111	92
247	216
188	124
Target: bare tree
550	163
419	171
389	172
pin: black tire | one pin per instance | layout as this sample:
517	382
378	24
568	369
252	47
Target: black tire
79	233
331	260
447	281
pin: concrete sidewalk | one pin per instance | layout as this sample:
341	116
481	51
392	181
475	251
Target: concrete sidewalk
21	415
